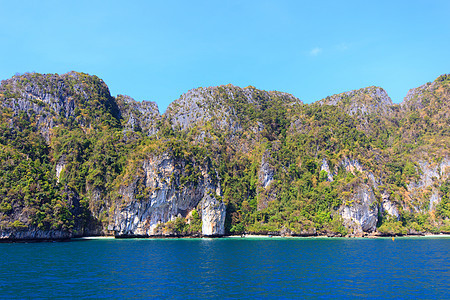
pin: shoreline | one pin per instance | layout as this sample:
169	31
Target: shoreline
252	236
264	236
243	236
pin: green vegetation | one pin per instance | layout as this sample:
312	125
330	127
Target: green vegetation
68	151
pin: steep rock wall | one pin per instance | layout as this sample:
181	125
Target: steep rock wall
33	234
138	116
266	175
360	211
432	175
369	100
361	214
218	105
213	216
157	195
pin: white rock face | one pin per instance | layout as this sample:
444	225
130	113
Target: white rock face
266	171
164	199
60	166
139	114
325	167
367	100
265	189
434	199
431	174
362	213
444	168
388	207
351	165
34	234
213	216
210	104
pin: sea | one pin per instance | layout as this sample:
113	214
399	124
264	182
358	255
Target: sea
228	268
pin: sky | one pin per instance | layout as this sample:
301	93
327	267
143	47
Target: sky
158	50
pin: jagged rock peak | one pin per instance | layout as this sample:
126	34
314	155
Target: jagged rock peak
129	101
138	116
60	93
52	99
365	101
226	103
43	86
249	92
422	96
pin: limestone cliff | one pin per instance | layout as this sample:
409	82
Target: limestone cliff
76	161
33	234
213	216
161	190
138	116
266	174
52	99
360	213
370	100
432	176
226	106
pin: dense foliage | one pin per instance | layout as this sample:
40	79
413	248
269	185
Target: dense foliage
67	146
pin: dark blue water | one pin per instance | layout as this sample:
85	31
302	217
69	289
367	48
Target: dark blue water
228	268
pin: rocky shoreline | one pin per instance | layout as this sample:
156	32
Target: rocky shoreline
197	236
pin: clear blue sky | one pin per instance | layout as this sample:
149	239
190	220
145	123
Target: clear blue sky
157	50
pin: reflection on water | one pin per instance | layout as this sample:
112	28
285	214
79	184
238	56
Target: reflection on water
228	268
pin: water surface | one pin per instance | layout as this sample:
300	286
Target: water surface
228	268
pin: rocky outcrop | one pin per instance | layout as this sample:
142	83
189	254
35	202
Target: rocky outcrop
413	99
370	100
33	234
266	175
388	207
266	171
163	190
428	95
361	213
220	105
51	99
347	163
432	175
60	166
213	216
325	167
351	165
138	116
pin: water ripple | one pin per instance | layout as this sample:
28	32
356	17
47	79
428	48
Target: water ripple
227	268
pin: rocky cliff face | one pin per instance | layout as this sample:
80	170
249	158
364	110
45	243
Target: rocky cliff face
429	95
213	216
162	191
138	116
52	99
361	213
76	161
371	107
361	210
370	100
432	176
224	106
33	234
266	175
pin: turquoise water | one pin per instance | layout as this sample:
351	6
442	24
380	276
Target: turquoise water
228	268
